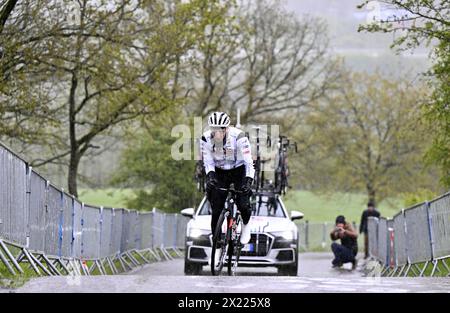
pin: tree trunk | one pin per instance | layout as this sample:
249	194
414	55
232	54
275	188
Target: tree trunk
73	171
74	152
371	192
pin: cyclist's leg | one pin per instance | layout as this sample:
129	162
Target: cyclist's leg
243	204
217	198
242	201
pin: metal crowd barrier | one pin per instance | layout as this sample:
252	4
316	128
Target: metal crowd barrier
391	253
302	231
439	214
383	241
314	236
38	202
57	234
146	224
416	241
116	232
372	228
401	256
181	229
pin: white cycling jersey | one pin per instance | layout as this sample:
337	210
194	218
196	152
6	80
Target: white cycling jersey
233	152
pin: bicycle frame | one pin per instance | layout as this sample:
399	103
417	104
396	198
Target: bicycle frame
232	237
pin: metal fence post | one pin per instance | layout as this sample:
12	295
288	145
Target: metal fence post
138	231
164	231
27	201
430	228
408	258
72	240
391	236
60	226
324	235
175	225
82	230
307	234
101	233
153	228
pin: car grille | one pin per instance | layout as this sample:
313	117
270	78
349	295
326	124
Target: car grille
261	245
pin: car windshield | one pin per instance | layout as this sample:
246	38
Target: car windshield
261	206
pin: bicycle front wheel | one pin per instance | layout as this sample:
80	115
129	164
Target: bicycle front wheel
219	246
234	249
231	246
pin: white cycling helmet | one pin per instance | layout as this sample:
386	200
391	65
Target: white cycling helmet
218	119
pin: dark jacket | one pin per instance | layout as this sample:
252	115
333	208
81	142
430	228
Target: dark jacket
366	213
348	238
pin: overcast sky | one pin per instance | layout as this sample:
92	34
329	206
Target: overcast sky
343	18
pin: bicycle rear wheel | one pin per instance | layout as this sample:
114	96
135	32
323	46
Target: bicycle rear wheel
219	246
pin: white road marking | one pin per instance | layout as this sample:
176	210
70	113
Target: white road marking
340	288
228	286
380	290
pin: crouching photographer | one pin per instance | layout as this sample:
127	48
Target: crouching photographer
347	250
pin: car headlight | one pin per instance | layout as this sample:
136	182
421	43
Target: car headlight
287	234
196	232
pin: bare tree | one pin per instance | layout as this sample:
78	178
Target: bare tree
265	61
369	137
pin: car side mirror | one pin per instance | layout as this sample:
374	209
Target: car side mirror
189	212
296	215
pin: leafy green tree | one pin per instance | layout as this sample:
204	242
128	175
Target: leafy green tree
159	180
26	112
367	138
103	66
418	196
415	23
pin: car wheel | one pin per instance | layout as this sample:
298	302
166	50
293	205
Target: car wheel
191	268
290	269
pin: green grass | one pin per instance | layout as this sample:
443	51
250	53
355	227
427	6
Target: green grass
9	281
115	198
316	207
324	208
440	272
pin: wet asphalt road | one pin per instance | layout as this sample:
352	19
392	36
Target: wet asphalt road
315	275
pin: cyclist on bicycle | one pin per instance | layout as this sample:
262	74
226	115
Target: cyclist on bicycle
227	159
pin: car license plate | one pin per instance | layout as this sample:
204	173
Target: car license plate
248	247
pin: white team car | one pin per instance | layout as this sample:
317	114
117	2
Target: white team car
274	237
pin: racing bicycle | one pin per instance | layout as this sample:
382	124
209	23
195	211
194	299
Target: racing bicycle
226	238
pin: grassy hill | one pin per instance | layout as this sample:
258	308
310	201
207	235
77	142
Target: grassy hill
321	208
114	198
316	207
